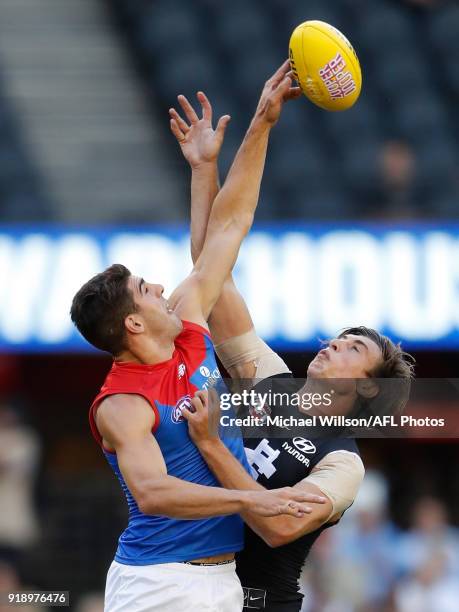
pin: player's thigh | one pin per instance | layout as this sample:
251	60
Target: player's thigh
172	587
226	595
145	588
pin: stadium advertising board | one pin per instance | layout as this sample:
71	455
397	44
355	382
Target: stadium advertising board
301	282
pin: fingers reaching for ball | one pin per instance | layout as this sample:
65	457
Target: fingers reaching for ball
199	142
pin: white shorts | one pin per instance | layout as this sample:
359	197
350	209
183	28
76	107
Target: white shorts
173	587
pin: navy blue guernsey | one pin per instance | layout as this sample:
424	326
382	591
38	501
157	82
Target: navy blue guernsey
270	575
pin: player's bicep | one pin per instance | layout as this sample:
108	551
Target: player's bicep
141	463
321	513
283	530
126	422
338	476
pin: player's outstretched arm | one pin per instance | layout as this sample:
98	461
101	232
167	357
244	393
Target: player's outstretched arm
200	145
125	423
232	213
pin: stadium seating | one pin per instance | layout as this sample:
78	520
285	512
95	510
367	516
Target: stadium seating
228	49
156	25
410	61
21	195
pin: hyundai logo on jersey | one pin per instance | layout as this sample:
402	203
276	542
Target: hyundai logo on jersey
303	445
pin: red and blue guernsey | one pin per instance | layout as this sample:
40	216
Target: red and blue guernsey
167	386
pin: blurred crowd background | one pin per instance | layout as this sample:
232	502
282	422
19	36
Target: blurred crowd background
85	86
92	80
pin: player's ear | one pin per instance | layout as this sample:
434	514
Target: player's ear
367	387
134	323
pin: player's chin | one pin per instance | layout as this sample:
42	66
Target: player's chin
316	369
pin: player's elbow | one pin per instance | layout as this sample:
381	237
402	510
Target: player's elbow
276	540
273	540
147	503
280	536
289	533
155	505
244	222
236	222
150	500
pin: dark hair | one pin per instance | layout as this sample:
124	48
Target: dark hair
99	308
395	362
394	372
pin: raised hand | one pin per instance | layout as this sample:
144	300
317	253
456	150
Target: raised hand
277	90
199	142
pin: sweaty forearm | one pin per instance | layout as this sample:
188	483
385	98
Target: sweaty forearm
177	498
204	188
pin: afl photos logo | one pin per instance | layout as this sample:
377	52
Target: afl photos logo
176	414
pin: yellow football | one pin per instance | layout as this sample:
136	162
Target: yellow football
325	65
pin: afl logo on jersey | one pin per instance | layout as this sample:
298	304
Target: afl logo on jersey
176	414
305	446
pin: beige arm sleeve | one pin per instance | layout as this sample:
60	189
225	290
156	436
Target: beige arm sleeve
338	475
249	348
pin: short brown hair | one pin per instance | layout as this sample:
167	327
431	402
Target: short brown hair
394	373
396	363
99	308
